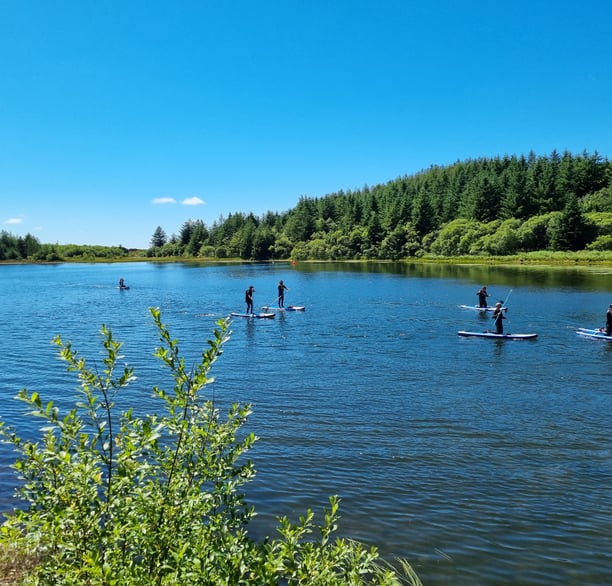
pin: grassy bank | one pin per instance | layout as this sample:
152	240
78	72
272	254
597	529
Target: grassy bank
541	258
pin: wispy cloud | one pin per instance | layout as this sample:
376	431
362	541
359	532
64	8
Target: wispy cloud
193	201
14	221
164	200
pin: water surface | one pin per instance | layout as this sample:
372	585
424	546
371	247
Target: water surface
479	461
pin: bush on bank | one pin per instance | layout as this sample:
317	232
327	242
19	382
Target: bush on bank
119	499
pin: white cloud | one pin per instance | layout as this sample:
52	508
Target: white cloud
14	221
163	200
193	201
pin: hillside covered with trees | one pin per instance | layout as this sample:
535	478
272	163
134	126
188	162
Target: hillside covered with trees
489	206
497	206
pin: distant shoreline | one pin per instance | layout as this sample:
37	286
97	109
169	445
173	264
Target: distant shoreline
557	259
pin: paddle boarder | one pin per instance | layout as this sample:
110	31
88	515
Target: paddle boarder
248	297
281	293
609	321
122	284
498	317
482	296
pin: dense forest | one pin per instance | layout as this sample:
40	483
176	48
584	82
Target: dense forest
497	206
488	206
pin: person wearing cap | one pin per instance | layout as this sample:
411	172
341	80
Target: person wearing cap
482	296
609	321
498	317
248	297
281	293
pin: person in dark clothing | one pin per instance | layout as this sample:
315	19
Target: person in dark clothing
482	296
609	321
281	293
498	317
248	297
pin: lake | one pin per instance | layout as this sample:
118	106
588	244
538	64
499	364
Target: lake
479	461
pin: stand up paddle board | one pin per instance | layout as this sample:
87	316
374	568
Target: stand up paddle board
595	334
498	336
288	308
253	315
477	308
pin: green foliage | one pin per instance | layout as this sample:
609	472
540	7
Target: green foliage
502	241
456	238
127	500
603	242
371	223
18	248
601	220
159	238
533	234
600	201
81	252
571	230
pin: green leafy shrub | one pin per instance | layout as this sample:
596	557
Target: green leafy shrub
126	500
603	242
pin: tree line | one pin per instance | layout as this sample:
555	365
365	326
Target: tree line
28	247
487	206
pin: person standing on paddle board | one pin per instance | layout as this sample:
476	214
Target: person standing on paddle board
498	317
248	297
482	296
609	321
281	293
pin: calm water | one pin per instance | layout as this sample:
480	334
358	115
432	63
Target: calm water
481	462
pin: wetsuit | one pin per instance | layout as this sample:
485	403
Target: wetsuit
281	294
248	297
482	297
498	316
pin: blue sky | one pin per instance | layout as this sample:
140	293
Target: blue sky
117	117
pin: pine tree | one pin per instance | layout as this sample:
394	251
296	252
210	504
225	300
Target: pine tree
159	237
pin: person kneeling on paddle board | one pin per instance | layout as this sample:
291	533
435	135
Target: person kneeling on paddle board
609	321
498	317
248	297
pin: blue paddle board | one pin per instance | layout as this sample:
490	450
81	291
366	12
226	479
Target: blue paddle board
253	315
593	333
498	336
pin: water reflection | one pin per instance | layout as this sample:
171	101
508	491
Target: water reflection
588	278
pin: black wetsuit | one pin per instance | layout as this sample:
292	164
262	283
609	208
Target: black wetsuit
482	298
498	316
281	294
248	297
609	322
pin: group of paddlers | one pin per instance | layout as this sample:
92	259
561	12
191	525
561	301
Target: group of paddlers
248	296
498	313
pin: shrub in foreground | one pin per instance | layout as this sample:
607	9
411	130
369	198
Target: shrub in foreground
123	499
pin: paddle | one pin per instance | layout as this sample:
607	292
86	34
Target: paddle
275	300
503	307
506	299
